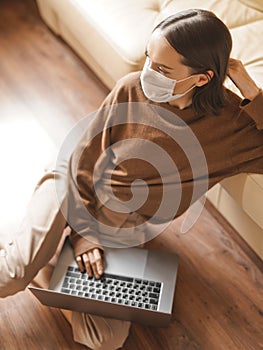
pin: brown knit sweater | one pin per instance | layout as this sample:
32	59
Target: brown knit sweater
178	154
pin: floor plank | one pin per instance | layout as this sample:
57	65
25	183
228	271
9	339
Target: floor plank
26	324
44	90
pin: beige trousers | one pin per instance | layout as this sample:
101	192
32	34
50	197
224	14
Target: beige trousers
26	257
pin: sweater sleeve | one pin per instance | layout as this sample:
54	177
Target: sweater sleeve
254	109
247	137
91	151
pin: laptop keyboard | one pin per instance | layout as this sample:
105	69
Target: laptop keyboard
122	290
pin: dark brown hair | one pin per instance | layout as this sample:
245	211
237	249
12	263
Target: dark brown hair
205	43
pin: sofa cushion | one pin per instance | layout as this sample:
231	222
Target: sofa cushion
247	191
254	4
253	198
247	48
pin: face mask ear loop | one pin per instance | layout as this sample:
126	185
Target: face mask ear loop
177	96
191	88
181	80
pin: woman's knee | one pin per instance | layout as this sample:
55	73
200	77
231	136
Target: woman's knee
10	283
33	246
99	333
27	252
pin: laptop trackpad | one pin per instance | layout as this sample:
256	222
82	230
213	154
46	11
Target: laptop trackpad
126	261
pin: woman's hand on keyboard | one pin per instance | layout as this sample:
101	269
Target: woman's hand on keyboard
92	262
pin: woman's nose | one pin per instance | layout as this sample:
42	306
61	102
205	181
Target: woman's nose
150	63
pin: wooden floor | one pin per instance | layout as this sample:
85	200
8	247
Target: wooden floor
219	300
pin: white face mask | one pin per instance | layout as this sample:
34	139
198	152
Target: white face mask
157	87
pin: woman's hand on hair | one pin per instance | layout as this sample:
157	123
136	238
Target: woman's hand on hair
240	77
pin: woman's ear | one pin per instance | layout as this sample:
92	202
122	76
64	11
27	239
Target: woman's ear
204	78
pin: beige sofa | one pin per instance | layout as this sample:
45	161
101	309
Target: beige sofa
110	36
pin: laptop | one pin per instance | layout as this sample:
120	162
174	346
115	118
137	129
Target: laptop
138	285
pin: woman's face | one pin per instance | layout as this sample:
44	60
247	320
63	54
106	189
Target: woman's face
164	59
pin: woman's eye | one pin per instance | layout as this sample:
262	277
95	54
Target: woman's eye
161	70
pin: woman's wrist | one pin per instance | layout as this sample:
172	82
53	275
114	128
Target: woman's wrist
252	93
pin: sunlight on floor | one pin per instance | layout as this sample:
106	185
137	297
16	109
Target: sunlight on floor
25	149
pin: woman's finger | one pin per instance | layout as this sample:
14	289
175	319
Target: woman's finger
93	264
80	263
98	259
87	264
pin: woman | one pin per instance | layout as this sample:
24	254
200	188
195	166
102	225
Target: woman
187	60
184	73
